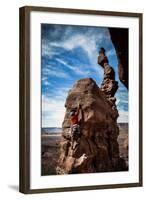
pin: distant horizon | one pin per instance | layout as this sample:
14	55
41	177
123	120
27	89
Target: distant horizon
61	127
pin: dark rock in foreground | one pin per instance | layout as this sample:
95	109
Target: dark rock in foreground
119	39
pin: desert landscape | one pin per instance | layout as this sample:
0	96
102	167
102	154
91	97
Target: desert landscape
49	151
50	140
123	141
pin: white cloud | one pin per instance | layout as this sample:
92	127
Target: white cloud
65	63
62	92
83	41
48	50
123	116
88	44
53	111
46	83
121	101
53	108
75	69
55	72
88	41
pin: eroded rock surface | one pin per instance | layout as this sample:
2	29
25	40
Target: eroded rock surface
97	149
119	39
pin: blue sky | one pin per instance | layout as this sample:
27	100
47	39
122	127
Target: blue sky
68	54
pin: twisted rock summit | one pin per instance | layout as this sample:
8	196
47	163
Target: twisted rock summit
96	149
108	86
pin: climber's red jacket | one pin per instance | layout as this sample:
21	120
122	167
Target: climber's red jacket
74	119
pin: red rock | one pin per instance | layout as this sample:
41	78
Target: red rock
97	149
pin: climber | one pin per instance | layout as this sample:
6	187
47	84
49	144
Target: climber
75	125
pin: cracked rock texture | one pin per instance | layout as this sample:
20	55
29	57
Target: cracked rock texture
97	149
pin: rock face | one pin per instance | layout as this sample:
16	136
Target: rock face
96	149
108	86
119	39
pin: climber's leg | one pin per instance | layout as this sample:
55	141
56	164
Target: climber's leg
75	136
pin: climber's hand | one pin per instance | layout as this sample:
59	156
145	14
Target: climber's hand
84	157
80	161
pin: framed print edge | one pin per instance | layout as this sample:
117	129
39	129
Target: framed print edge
82	188
24	97
24	104
140	99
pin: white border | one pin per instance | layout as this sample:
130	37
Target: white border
132	176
